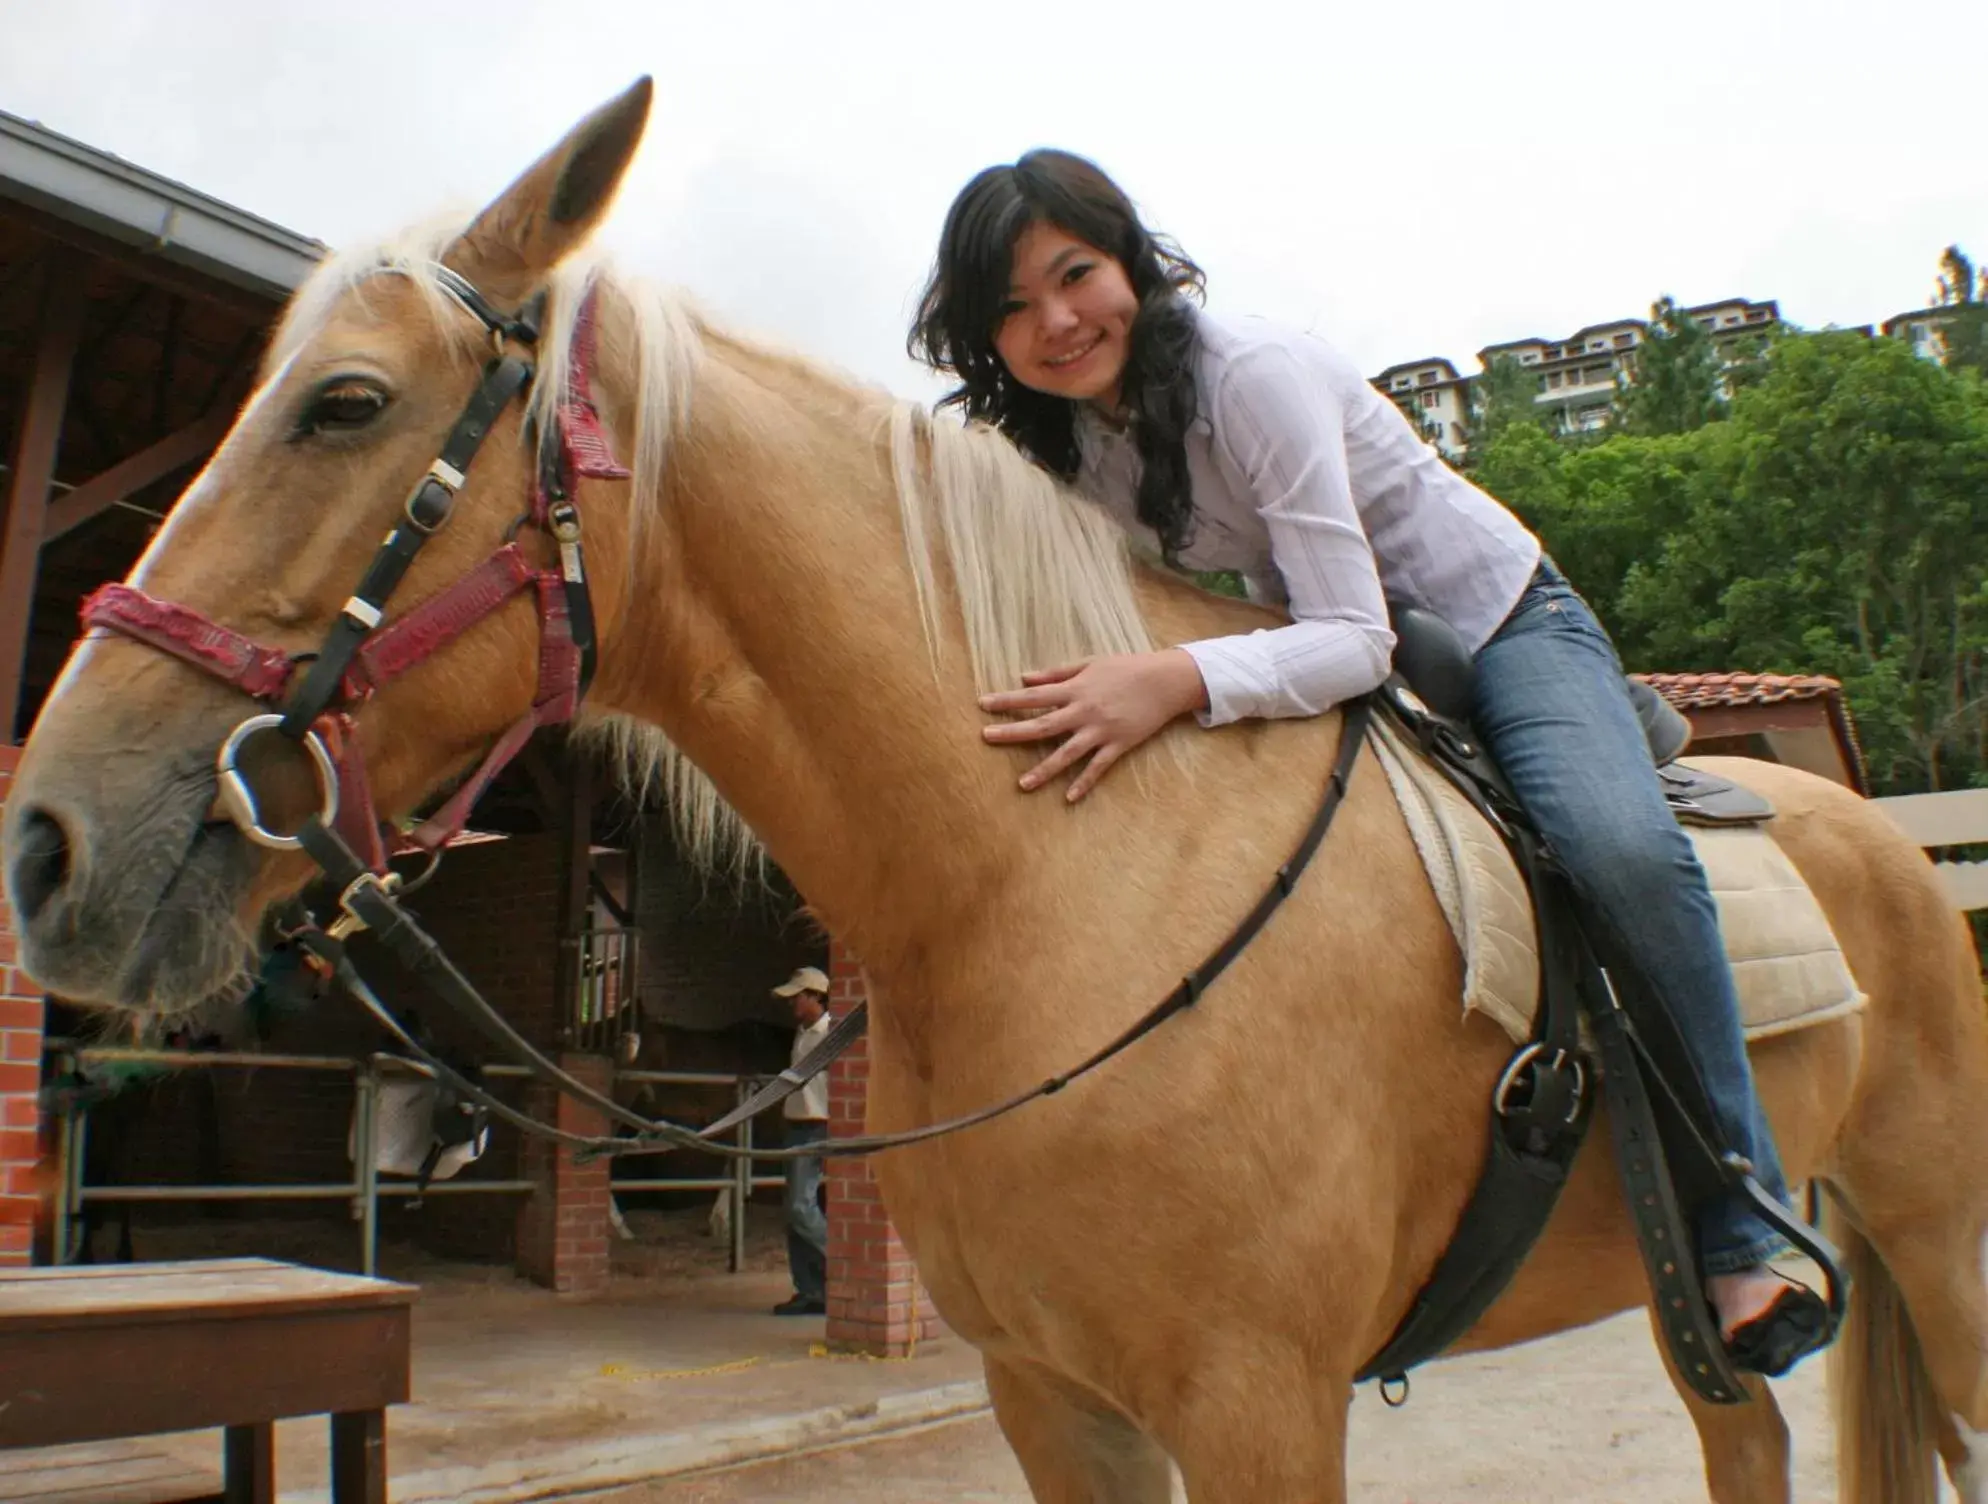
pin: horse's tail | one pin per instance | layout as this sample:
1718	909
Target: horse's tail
1887	1414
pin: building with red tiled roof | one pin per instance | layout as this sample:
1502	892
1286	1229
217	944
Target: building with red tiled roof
1797	719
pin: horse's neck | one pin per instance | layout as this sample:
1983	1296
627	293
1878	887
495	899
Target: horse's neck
779	646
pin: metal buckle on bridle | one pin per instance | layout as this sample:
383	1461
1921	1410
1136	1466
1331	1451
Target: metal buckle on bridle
349	923
564	523
238	799
449	480
1526	1065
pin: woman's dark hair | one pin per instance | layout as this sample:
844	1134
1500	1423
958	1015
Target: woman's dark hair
962	307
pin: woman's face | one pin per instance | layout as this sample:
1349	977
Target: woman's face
1067	322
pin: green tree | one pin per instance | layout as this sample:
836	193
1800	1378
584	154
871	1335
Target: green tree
1835	525
1503	398
1956	281
1964	335
1679	378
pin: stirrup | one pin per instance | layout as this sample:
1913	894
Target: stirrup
1797	1325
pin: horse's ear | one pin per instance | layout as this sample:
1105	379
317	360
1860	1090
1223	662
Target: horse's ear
555	204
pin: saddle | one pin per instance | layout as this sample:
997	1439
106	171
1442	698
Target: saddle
1435	670
1670	1153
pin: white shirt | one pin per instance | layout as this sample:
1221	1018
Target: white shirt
810	1103
1317	490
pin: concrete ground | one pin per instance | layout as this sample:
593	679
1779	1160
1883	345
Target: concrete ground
1586	1418
677	1387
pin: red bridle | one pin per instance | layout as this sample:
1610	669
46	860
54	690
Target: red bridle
362	653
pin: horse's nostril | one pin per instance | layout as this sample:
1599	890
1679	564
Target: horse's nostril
39	860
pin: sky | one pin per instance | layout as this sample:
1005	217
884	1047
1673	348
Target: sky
1406	179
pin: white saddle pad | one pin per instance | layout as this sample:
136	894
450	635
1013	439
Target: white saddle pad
1786	961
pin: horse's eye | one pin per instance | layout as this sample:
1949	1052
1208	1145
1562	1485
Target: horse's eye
341	408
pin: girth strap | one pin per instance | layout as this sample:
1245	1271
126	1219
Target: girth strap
1532	1148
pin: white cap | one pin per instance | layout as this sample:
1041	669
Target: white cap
807	979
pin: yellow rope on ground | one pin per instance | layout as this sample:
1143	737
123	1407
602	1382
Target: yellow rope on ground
823	1350
620	1371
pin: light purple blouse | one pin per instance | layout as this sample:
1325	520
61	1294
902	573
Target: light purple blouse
1317	490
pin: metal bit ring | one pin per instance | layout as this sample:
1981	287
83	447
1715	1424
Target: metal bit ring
238	799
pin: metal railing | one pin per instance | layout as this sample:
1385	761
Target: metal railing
740	1182
364	1190
607	1004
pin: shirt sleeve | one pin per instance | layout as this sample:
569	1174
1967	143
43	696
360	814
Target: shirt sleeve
1283	430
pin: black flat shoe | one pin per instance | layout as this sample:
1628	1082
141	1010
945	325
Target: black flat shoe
800	1305
1796	1325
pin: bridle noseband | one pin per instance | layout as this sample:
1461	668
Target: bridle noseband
319	693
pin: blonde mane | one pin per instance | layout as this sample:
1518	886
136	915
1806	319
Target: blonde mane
1037	576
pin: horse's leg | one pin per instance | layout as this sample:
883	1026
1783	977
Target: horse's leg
1912	1364
1745	1446
1266	1442
1072	1450
1910	1370
1966	1455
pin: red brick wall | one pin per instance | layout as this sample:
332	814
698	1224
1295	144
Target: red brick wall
563	1228
20	1079
875	1303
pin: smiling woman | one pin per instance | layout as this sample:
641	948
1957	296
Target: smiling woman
1094	275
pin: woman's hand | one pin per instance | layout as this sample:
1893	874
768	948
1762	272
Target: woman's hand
1102	709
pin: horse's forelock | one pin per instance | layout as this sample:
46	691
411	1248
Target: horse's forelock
411	256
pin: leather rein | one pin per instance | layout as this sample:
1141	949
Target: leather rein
320	693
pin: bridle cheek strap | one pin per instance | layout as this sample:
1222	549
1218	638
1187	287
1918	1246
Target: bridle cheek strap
558	700
361	654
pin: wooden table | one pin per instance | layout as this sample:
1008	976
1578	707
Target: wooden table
87	1354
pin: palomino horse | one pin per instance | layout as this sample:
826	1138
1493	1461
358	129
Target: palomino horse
802	587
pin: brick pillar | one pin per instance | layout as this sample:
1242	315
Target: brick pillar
20	1080
563	1228
875	1303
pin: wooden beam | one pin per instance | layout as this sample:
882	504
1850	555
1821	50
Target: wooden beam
1957	818
1755	720
1967	883
156	270
548	792
154	462
576	829
32	474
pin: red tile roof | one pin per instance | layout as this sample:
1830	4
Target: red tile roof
1689	692
1702	691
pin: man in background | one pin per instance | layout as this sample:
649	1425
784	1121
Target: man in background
806	992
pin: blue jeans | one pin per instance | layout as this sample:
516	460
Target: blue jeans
807	1226
1551	706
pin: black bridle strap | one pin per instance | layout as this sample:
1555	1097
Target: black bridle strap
367	900
427	508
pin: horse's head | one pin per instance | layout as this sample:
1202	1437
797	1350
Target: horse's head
131	882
